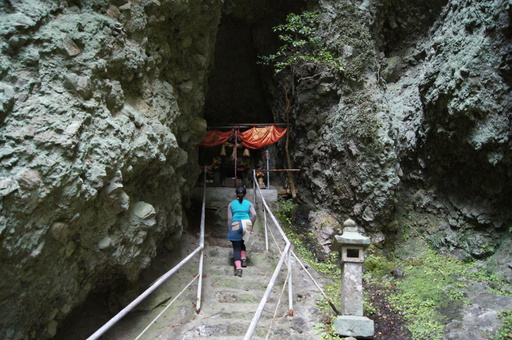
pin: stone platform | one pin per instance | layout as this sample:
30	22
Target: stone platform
222	194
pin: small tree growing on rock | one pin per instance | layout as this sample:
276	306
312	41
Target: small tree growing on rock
301	45
302	57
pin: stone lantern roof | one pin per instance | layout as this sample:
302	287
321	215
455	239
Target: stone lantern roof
350	237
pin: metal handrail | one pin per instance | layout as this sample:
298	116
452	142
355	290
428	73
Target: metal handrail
164	278
286	254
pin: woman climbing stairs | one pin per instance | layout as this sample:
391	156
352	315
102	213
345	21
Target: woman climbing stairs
228	302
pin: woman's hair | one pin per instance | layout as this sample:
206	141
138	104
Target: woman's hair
240	193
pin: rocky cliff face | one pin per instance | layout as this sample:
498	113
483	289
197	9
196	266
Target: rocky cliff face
101	106
100	112
418	124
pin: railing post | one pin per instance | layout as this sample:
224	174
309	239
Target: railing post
268	168
201	244
254	184
266	230
290	288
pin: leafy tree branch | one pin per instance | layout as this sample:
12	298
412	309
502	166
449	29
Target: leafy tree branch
301	45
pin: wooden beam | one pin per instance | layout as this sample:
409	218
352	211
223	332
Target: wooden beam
245	125
278	170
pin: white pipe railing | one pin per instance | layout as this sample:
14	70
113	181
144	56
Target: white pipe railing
163	278
286	255
201	245
268	168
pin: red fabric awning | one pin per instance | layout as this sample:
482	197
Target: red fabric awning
214	138
254	138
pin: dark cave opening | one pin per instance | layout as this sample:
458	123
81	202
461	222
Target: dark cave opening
239	89
236	86
236	91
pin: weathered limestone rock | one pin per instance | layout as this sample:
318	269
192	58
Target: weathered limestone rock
423	105
326	226
97	145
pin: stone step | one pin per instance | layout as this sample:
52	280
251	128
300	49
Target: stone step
228	310
234	297
223	256
256	263
226	328
228	303
232	338
228	306
200	328
227	270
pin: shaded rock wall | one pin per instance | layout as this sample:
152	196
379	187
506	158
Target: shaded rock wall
100	112
419	121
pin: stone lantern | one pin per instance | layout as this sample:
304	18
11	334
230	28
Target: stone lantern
351	245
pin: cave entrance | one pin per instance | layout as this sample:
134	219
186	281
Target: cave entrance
236	91
240	91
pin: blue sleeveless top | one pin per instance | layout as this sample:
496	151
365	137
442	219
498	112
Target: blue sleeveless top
241	211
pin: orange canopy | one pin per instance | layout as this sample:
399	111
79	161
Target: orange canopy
214	138
254	138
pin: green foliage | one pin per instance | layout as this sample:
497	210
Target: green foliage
286	210
496	283
506	331
300	44
430	285
434	287
325	328
378	265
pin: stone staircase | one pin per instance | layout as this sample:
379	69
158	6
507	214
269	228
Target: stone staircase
228	302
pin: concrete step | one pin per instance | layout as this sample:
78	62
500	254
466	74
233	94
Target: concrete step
201	328
237	311
228	306
227	270
258	263
232	338
222	328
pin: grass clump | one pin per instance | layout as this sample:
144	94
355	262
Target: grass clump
505	332
379	266
430	289
432	284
